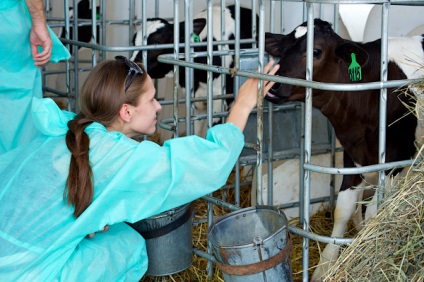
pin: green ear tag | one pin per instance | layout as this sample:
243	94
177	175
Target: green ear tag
195	37
355	71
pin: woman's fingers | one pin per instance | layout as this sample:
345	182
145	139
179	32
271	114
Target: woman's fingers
270	69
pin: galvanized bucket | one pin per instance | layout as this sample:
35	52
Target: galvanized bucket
252	245
168	240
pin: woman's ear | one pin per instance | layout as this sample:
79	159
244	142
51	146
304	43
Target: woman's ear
125	113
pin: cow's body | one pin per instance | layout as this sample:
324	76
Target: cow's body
160	31
354	115
85	33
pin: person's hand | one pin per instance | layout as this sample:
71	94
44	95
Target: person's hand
105	229
247	97
39	36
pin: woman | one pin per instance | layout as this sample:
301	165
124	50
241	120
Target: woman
85	172
26	44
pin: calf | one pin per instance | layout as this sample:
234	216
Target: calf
85	33
160	31
353	114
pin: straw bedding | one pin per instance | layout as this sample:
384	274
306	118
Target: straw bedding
321	223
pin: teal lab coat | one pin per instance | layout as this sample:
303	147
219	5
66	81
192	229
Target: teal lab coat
40	240
20	80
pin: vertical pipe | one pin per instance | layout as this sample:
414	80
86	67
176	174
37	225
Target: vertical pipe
270	185
302	146
383	99
237	45
282	25
75	50
93	30
131	12
237	78
225	47
336	18
209	60
308	137
103	28
188	16
259	136
144	31
224	90
70	94
254	27
332	132
176	81
333	164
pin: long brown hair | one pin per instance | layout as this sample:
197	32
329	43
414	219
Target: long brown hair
102	96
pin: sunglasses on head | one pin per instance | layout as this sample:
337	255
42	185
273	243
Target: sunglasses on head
132	73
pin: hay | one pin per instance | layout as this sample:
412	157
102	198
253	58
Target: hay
391	245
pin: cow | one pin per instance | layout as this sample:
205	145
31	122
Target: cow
160	31
85	33
354	115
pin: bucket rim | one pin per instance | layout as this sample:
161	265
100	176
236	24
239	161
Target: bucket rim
169	212
243	210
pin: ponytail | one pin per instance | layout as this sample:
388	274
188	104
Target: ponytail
79	185
100	100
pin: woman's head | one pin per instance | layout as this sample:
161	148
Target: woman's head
120	95
114	86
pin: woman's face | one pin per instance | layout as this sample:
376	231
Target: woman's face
143	120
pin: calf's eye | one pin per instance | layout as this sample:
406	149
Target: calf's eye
317	53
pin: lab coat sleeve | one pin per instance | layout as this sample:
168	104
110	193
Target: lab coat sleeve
153	179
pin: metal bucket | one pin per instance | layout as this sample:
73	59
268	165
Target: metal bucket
168	238
252	245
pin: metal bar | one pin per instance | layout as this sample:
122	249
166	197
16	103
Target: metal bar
308	139
359	170
383	99
325	239
176	77
295	81
259	127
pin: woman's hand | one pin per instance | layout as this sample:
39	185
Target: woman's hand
247	98
105	229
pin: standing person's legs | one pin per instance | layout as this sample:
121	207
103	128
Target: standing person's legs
20	80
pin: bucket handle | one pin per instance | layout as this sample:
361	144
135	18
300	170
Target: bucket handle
240	270
161	231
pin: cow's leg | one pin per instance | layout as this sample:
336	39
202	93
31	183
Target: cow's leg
357	216
345	207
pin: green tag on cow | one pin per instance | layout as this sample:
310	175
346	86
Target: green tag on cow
355	71
196	37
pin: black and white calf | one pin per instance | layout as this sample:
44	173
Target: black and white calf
160	31
354	115
85	33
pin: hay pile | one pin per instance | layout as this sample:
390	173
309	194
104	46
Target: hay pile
391	245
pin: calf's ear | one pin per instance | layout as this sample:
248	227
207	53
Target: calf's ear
345	49
273	44
198	26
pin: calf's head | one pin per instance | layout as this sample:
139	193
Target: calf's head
331	59
160	31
